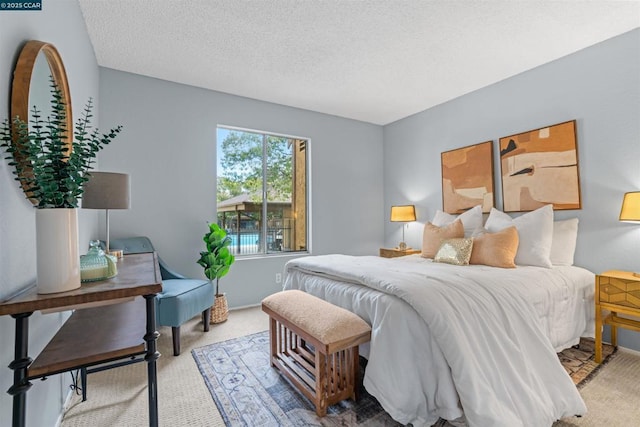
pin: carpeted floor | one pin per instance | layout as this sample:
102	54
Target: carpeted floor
119	396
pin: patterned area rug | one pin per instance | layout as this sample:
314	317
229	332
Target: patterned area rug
579	362
248	392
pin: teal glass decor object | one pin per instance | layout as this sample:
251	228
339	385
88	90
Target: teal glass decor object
96	265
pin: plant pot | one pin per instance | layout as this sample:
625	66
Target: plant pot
58	261
220	309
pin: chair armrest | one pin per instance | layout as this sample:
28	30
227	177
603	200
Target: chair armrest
168	273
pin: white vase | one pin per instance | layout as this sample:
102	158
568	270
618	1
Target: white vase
57	250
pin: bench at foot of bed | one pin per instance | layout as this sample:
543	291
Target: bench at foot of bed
315	344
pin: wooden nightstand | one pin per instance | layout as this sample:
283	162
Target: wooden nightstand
618	292
394	253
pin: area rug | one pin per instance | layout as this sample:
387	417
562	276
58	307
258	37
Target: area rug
249	392
580	363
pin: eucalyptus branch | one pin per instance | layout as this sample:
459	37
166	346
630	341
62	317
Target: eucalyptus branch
49	162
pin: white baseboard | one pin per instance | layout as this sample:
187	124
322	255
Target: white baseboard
65	406
245	306
629	350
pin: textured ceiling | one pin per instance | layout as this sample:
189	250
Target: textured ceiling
376	61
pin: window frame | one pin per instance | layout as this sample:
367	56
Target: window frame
263	249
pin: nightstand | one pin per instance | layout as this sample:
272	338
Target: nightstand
618	292
394	253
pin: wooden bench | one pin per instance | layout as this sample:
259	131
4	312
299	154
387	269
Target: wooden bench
315	344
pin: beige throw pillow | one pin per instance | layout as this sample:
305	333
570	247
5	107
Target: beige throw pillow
496	249
433	236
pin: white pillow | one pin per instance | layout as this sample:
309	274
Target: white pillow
471	219
535	231
563	246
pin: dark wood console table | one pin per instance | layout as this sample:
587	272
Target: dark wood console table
138	275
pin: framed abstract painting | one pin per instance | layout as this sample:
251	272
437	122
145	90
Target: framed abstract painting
467	178
540	167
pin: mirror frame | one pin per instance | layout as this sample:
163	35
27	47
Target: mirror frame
22	84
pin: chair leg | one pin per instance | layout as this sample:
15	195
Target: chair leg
175	333
206	315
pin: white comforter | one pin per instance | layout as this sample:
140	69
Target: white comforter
446	337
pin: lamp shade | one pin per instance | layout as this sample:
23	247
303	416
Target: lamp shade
403	213
630	207
106	190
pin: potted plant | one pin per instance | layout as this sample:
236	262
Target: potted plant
52	176
216	261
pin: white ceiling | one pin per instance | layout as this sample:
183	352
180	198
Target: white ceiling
372	60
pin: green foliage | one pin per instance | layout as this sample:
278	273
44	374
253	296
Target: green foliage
242	167
217	259
57	176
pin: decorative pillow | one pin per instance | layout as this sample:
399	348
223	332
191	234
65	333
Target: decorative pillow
455	251
495	249
471	219
535	232
563	244
433	236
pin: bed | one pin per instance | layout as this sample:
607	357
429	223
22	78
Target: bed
475	342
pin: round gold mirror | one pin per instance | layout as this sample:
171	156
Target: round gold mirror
31	86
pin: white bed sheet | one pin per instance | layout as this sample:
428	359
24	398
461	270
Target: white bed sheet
407	371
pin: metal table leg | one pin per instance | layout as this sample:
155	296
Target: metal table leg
19	366
151	356
83	383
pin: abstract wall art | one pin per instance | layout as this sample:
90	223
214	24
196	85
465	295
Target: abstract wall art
540	167
467	178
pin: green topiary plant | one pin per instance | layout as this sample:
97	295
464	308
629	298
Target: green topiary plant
217	259
52	176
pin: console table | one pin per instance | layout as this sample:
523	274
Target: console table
138	275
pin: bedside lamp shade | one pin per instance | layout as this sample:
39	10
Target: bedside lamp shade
404	213
106	190
630	211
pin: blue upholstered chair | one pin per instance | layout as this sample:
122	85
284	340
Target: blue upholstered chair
181	298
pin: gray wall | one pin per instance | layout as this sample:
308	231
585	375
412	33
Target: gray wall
60	23
599	87
168	146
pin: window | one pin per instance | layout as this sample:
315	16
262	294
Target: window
262	191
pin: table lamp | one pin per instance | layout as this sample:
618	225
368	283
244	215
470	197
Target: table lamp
403	213
630	211
106	190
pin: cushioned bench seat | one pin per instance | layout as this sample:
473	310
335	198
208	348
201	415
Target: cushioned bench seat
315	344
